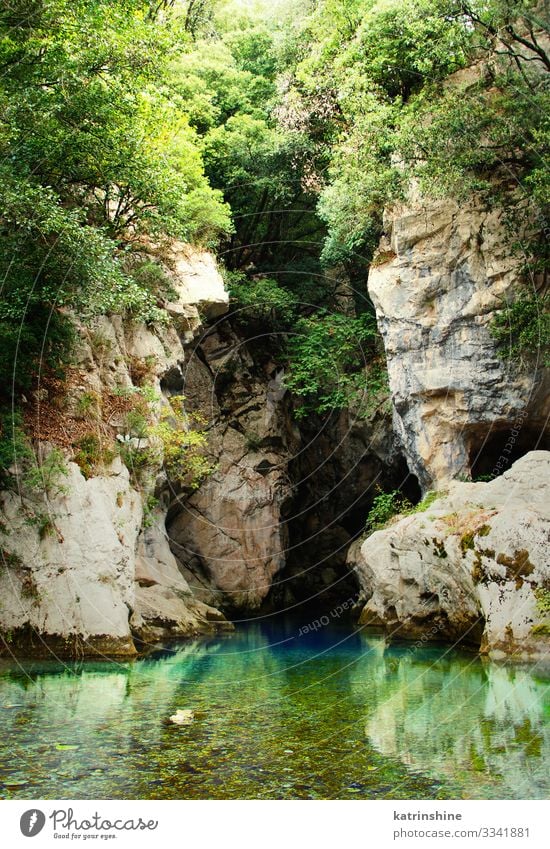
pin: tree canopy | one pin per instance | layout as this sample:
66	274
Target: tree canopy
275	133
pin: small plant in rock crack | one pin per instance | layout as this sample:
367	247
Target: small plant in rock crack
15	449
543	601
149	393
29	589
136	425
43	523
385	505
141	369
151	277
150	503
183	448
9	558
100	344
45	474
21	466
91	452
139	461
88	405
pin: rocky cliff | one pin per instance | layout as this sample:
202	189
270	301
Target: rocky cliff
230	536
87	566
172	486
441	273
474	566
119	542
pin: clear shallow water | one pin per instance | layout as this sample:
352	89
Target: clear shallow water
330	715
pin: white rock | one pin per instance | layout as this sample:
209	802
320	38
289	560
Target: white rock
96	580
468	568
182	717
446	270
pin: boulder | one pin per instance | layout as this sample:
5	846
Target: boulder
472	568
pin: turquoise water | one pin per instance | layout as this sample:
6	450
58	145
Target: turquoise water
336	714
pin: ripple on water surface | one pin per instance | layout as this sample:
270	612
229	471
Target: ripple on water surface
335	714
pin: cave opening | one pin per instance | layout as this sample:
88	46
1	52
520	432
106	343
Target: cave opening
493	451
325	519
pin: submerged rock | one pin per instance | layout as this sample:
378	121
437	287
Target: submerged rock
473	568
182	717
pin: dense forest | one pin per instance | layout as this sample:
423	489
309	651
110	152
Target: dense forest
274	350
274	134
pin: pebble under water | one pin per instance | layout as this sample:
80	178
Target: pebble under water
335	714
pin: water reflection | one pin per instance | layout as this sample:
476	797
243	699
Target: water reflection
329	715
480	724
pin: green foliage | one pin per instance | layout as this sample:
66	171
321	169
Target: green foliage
20	466
15	450
429	499
150	277
136	424
88	405
374	80
262	299
542	596
173	442
256	155
45	474
543	601
385	505
94	70
523	329
10	558
44	524
95	154
183	449
327	356
139	461
90	452
126	123
150	503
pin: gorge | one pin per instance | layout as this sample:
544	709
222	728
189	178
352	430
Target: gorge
275	399
271	524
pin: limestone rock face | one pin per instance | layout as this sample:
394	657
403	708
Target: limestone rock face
474	567
197	281
69	581
82	574
441	273
164	602
231	531
230	536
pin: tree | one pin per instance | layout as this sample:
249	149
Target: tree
94	155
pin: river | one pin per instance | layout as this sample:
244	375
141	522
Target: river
331	714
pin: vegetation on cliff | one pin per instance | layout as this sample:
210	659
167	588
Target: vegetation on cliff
275	134
95	154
